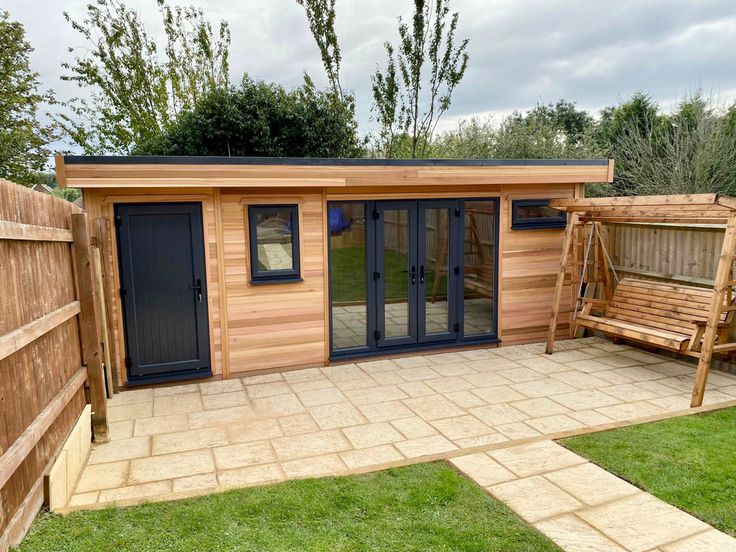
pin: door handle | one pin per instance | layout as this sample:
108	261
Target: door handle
198	289
421	274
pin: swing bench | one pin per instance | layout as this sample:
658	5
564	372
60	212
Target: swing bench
693	321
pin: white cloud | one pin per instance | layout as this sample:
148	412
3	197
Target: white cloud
594	52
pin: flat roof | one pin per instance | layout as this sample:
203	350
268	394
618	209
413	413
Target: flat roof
139	171
318	161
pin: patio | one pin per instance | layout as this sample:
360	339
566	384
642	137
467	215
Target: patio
191	439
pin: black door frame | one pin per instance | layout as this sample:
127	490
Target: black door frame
411	271
453	261
199	280
371	248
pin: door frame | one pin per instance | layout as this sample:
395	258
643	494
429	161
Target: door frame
112	203
460	341
453	259
379	227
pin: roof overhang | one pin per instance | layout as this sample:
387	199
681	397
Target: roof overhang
264	172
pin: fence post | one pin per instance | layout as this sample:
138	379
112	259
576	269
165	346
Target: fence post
89	327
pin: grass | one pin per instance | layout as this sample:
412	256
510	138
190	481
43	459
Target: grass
687	461
419	507
349	277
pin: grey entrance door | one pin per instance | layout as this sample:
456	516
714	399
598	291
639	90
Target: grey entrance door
163	291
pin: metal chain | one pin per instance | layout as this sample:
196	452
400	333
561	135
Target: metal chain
608	258
578	302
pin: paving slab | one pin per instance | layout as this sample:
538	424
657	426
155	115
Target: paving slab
373	414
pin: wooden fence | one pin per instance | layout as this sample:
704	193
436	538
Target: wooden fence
50	351
674	252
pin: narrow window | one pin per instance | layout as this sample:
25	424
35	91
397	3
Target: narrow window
530	214
274	243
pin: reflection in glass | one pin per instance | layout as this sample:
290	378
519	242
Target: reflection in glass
348	275
437	233
396	272
275	240
479	267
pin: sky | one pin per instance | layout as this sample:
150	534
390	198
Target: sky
522	52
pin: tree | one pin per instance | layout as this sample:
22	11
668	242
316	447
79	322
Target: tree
553	131
24	140
321	19
692	150
135	93
414	99
261	119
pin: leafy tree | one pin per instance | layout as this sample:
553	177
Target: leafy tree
413	99
321	19
564	116
24	140
261	119
692	150
136	94
545	132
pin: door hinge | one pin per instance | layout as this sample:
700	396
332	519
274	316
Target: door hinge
123	292
118	221
128	362
376	335
456	270
376	216
456	327
376	276
457	211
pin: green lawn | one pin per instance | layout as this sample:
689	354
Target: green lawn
349	278
689	462
420	507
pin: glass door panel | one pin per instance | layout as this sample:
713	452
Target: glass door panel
436	303
396	273
349	284
479	268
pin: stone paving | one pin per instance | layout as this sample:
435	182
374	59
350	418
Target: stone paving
192	439
582	507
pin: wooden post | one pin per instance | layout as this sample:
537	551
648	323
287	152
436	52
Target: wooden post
572	222
711	327
607	281
88	325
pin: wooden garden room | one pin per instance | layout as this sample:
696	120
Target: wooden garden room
224	266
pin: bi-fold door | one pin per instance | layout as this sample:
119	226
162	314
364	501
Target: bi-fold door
411	274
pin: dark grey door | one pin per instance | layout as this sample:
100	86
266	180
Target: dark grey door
163	291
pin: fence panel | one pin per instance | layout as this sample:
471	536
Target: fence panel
687	254
41	367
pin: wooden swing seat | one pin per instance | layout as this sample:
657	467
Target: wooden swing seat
668	316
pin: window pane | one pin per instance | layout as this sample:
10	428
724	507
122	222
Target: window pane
437	235
275	240
395	272
479	267
537	211
348	275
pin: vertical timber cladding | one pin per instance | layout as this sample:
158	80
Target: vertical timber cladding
281	324
530	260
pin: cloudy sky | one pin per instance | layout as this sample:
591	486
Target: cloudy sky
522	52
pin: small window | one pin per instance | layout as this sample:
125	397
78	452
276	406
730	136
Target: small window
274	243
528	214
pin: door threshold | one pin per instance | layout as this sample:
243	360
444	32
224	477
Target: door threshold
168	378
400	352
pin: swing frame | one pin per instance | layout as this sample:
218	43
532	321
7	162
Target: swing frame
680	209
